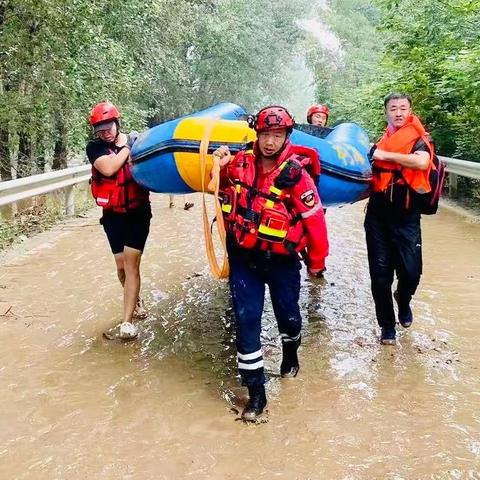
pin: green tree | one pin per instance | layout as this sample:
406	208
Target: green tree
157	59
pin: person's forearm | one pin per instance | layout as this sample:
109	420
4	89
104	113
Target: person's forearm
108	165
414	161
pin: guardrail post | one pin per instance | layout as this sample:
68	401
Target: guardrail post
69	202
453	184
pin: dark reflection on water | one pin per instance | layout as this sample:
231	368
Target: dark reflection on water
196	323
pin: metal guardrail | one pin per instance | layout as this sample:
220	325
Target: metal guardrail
12	191
462	167
455	168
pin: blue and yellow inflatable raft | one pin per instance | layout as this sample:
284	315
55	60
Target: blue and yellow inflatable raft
166	158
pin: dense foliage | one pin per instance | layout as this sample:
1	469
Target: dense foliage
156	59
159	59
428	49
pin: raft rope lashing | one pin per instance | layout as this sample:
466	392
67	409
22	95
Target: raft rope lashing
213	186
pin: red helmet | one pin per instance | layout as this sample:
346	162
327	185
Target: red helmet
102	112
317	108
271	118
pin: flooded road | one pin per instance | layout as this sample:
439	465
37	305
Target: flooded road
76	406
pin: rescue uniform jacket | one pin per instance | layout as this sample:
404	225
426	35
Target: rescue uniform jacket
278	210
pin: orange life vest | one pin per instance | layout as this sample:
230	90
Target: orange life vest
260	215
118	193
386	175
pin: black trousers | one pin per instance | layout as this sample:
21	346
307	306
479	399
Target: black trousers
394	245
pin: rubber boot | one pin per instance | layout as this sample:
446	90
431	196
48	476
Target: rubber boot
289	367
256	403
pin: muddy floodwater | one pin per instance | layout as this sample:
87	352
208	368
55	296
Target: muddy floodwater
76	406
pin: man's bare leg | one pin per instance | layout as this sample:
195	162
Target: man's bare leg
132	281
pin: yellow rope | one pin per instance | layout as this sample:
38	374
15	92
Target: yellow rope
213	186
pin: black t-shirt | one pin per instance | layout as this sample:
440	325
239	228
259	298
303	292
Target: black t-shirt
98	148
420	146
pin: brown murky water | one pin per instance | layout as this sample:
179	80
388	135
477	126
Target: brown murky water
75	406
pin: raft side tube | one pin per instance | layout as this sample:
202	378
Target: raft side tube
172	149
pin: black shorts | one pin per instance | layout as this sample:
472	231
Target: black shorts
127	229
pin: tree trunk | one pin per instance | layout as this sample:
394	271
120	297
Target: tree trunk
3	8
40	159
5	162
60	150
24	161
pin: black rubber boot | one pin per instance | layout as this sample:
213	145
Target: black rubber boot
256	403
290	366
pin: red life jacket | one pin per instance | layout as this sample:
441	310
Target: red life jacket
260	215
118	193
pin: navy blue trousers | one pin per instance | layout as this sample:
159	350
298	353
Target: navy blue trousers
394	245
250	271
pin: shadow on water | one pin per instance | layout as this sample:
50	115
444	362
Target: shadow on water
196	323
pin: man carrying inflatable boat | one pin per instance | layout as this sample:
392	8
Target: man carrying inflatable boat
273	214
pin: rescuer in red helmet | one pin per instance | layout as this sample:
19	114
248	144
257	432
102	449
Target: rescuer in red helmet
318	115
126	206
273	214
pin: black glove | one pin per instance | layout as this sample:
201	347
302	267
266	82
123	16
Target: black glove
320	273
